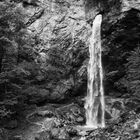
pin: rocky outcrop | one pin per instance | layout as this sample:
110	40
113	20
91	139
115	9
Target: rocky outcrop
61	30
49	64
58	22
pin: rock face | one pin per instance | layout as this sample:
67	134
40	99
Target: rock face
64	27
60	25
60	18
72	20
60	29
49	62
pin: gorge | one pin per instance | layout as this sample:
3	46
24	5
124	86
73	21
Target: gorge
52	51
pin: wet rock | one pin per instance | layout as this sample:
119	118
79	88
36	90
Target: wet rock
119	130
46	113
107	115
112	114
72	132
80	120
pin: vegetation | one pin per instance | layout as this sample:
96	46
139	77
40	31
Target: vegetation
16	52
25	67
37	81
133	73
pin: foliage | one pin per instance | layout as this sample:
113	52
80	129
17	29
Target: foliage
11	21
65	58
133	72
131	80
17	66
118	44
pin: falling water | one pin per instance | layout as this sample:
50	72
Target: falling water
95	95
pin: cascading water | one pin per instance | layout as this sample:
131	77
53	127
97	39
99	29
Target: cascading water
95	106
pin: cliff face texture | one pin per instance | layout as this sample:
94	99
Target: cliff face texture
57	32
43	68
64	32
63	20
52	50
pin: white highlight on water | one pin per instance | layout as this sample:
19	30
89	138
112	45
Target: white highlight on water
95	105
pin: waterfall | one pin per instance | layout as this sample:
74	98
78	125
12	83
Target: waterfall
94	105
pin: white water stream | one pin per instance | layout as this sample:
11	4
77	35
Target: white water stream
95	105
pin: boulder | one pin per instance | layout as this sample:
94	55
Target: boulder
114	108
107	115
72	132
72	114
80	120
46	113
